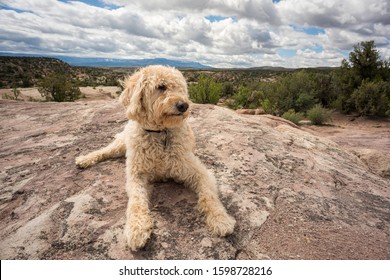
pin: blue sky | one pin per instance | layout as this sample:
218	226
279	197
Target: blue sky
219	33
214	18
311	30
97	3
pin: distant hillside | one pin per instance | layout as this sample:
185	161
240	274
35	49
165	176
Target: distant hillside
108	62
22	71
26	71
112	62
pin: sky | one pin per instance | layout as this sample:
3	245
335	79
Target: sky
218	33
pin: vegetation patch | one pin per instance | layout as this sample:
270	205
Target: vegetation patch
319	115
59	88
293	116
360	85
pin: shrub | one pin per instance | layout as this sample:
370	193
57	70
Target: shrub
227	89
268	106
298	90
57	87
371	98
206	90
305	101
240	98
15	94
293	116
318	115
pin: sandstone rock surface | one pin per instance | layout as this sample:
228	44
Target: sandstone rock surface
294	195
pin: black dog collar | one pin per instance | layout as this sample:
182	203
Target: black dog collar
155	131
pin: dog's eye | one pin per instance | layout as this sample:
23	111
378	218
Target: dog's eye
162	87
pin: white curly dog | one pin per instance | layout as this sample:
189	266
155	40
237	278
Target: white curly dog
159	144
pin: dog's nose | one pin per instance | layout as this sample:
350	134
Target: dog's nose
182	106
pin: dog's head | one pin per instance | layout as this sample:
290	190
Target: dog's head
156	97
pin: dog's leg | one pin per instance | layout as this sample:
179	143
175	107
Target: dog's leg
197	177
139	223
115	149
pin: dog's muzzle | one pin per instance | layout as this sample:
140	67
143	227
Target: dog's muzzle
182	106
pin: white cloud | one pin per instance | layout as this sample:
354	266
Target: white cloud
346	22
261	10
224	33
334	14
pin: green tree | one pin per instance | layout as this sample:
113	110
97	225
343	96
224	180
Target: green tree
58	87
323	86
344	82
361	83
365	60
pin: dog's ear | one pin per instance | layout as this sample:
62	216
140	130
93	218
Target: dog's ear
131	96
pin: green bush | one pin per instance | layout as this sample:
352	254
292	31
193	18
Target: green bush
206	90
293	116
371	98
296	91
58	87
319	115
240	99
305	101
268	106
246	98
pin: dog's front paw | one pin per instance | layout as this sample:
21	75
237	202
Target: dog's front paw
220	224
83	162
137	233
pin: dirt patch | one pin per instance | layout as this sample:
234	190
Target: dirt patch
356	132
367	137
88	93
99	93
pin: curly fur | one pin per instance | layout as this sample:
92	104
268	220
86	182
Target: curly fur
158	144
